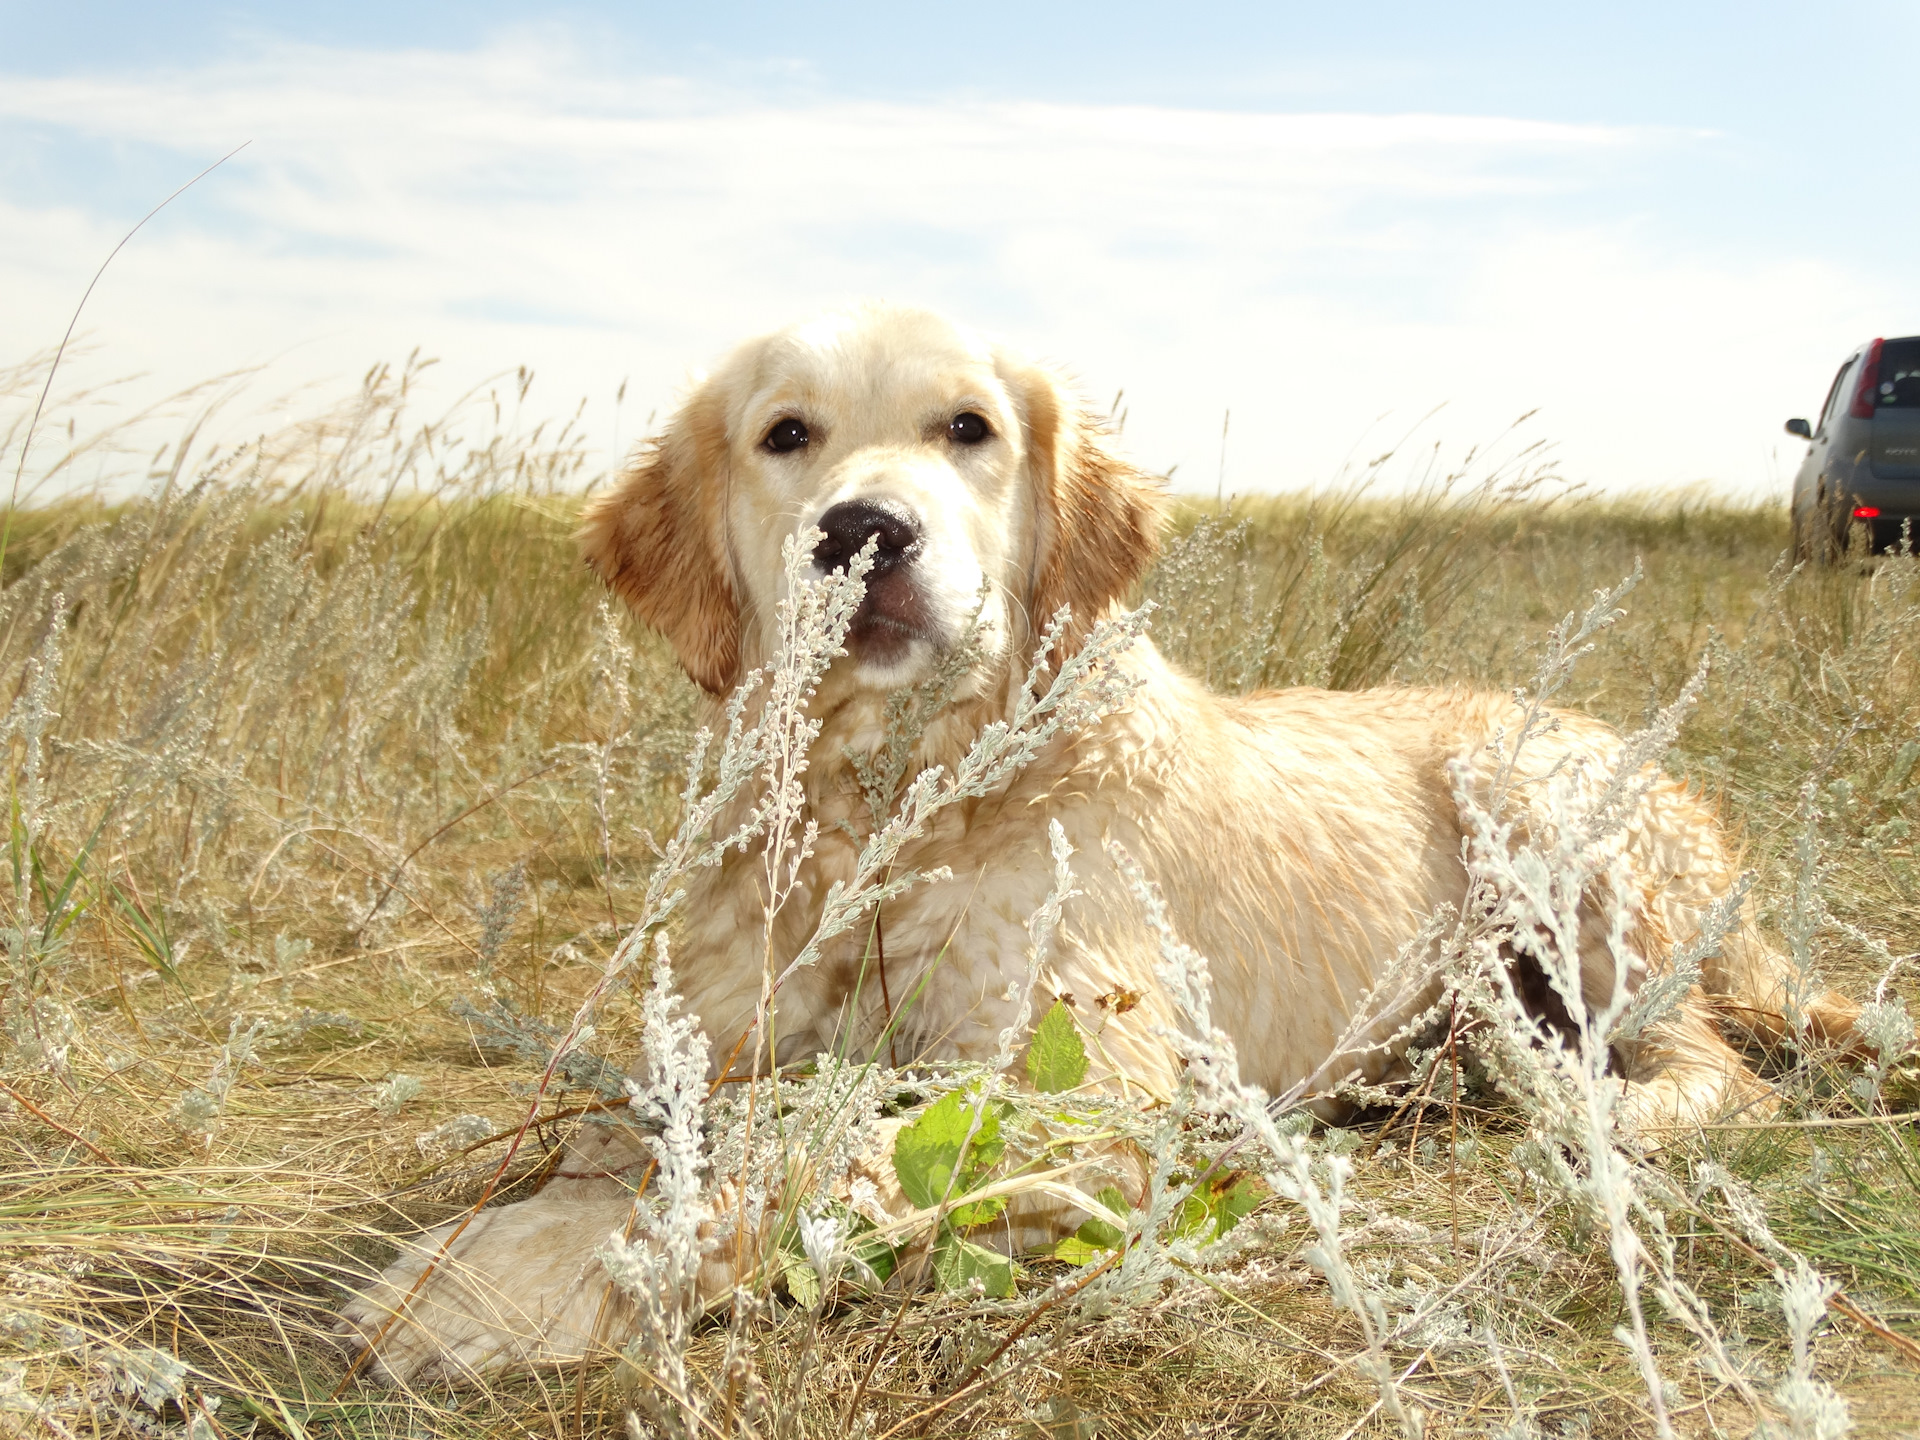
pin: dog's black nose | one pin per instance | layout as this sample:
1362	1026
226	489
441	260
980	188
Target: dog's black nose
851	523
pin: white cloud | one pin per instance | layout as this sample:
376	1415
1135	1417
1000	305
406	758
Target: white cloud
1314	272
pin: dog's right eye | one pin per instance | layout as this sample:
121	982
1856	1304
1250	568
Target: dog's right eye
788	435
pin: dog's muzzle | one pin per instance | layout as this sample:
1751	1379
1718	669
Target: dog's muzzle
894	611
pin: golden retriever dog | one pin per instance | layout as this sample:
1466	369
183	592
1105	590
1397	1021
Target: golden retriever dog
1300	838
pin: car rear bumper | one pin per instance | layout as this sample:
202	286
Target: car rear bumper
1897	501
1889	530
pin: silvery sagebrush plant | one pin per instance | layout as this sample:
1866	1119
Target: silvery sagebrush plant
659	1269
1806	913
1527	883
760	744
39	1027
909	711
1884	1022
1315	1181
198	1109
454	1135
1529	878
1810	1409
394	1094
1058	697
772	753
153	1378
831	1112
1041	927
506	892
611	665
131	1388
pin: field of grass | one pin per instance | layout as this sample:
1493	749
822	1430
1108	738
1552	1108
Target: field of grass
333	788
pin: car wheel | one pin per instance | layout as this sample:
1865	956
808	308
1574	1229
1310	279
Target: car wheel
1812	540
1819	535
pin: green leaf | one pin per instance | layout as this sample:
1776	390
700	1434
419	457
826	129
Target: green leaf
1076	1251
1217	1206
803	1282
877	1255
957	1263
1099	1233
1096	1237
978	1213
1057	1060
932	1156
1237	1201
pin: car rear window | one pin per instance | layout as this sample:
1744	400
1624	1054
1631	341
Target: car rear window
1899	375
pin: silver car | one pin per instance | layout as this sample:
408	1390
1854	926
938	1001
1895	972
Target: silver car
1863	458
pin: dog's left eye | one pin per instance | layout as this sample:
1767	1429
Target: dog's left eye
786	436
967	429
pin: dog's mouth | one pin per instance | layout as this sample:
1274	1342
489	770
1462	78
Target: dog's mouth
892	615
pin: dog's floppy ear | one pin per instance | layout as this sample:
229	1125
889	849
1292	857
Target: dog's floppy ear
657	540
1098	517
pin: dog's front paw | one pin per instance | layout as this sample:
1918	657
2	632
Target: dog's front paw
518	1286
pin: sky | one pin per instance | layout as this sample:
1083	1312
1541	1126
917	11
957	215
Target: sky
1655	229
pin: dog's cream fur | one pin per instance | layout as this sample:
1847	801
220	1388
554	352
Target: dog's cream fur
1299	837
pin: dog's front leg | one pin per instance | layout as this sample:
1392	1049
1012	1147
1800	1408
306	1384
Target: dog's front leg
523	1284
512	1285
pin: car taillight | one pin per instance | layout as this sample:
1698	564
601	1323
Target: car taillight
1865	392
1866	512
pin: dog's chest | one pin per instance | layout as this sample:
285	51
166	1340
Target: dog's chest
938	957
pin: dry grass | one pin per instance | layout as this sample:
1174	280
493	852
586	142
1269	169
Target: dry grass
309	713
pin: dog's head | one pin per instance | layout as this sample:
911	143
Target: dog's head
975	474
